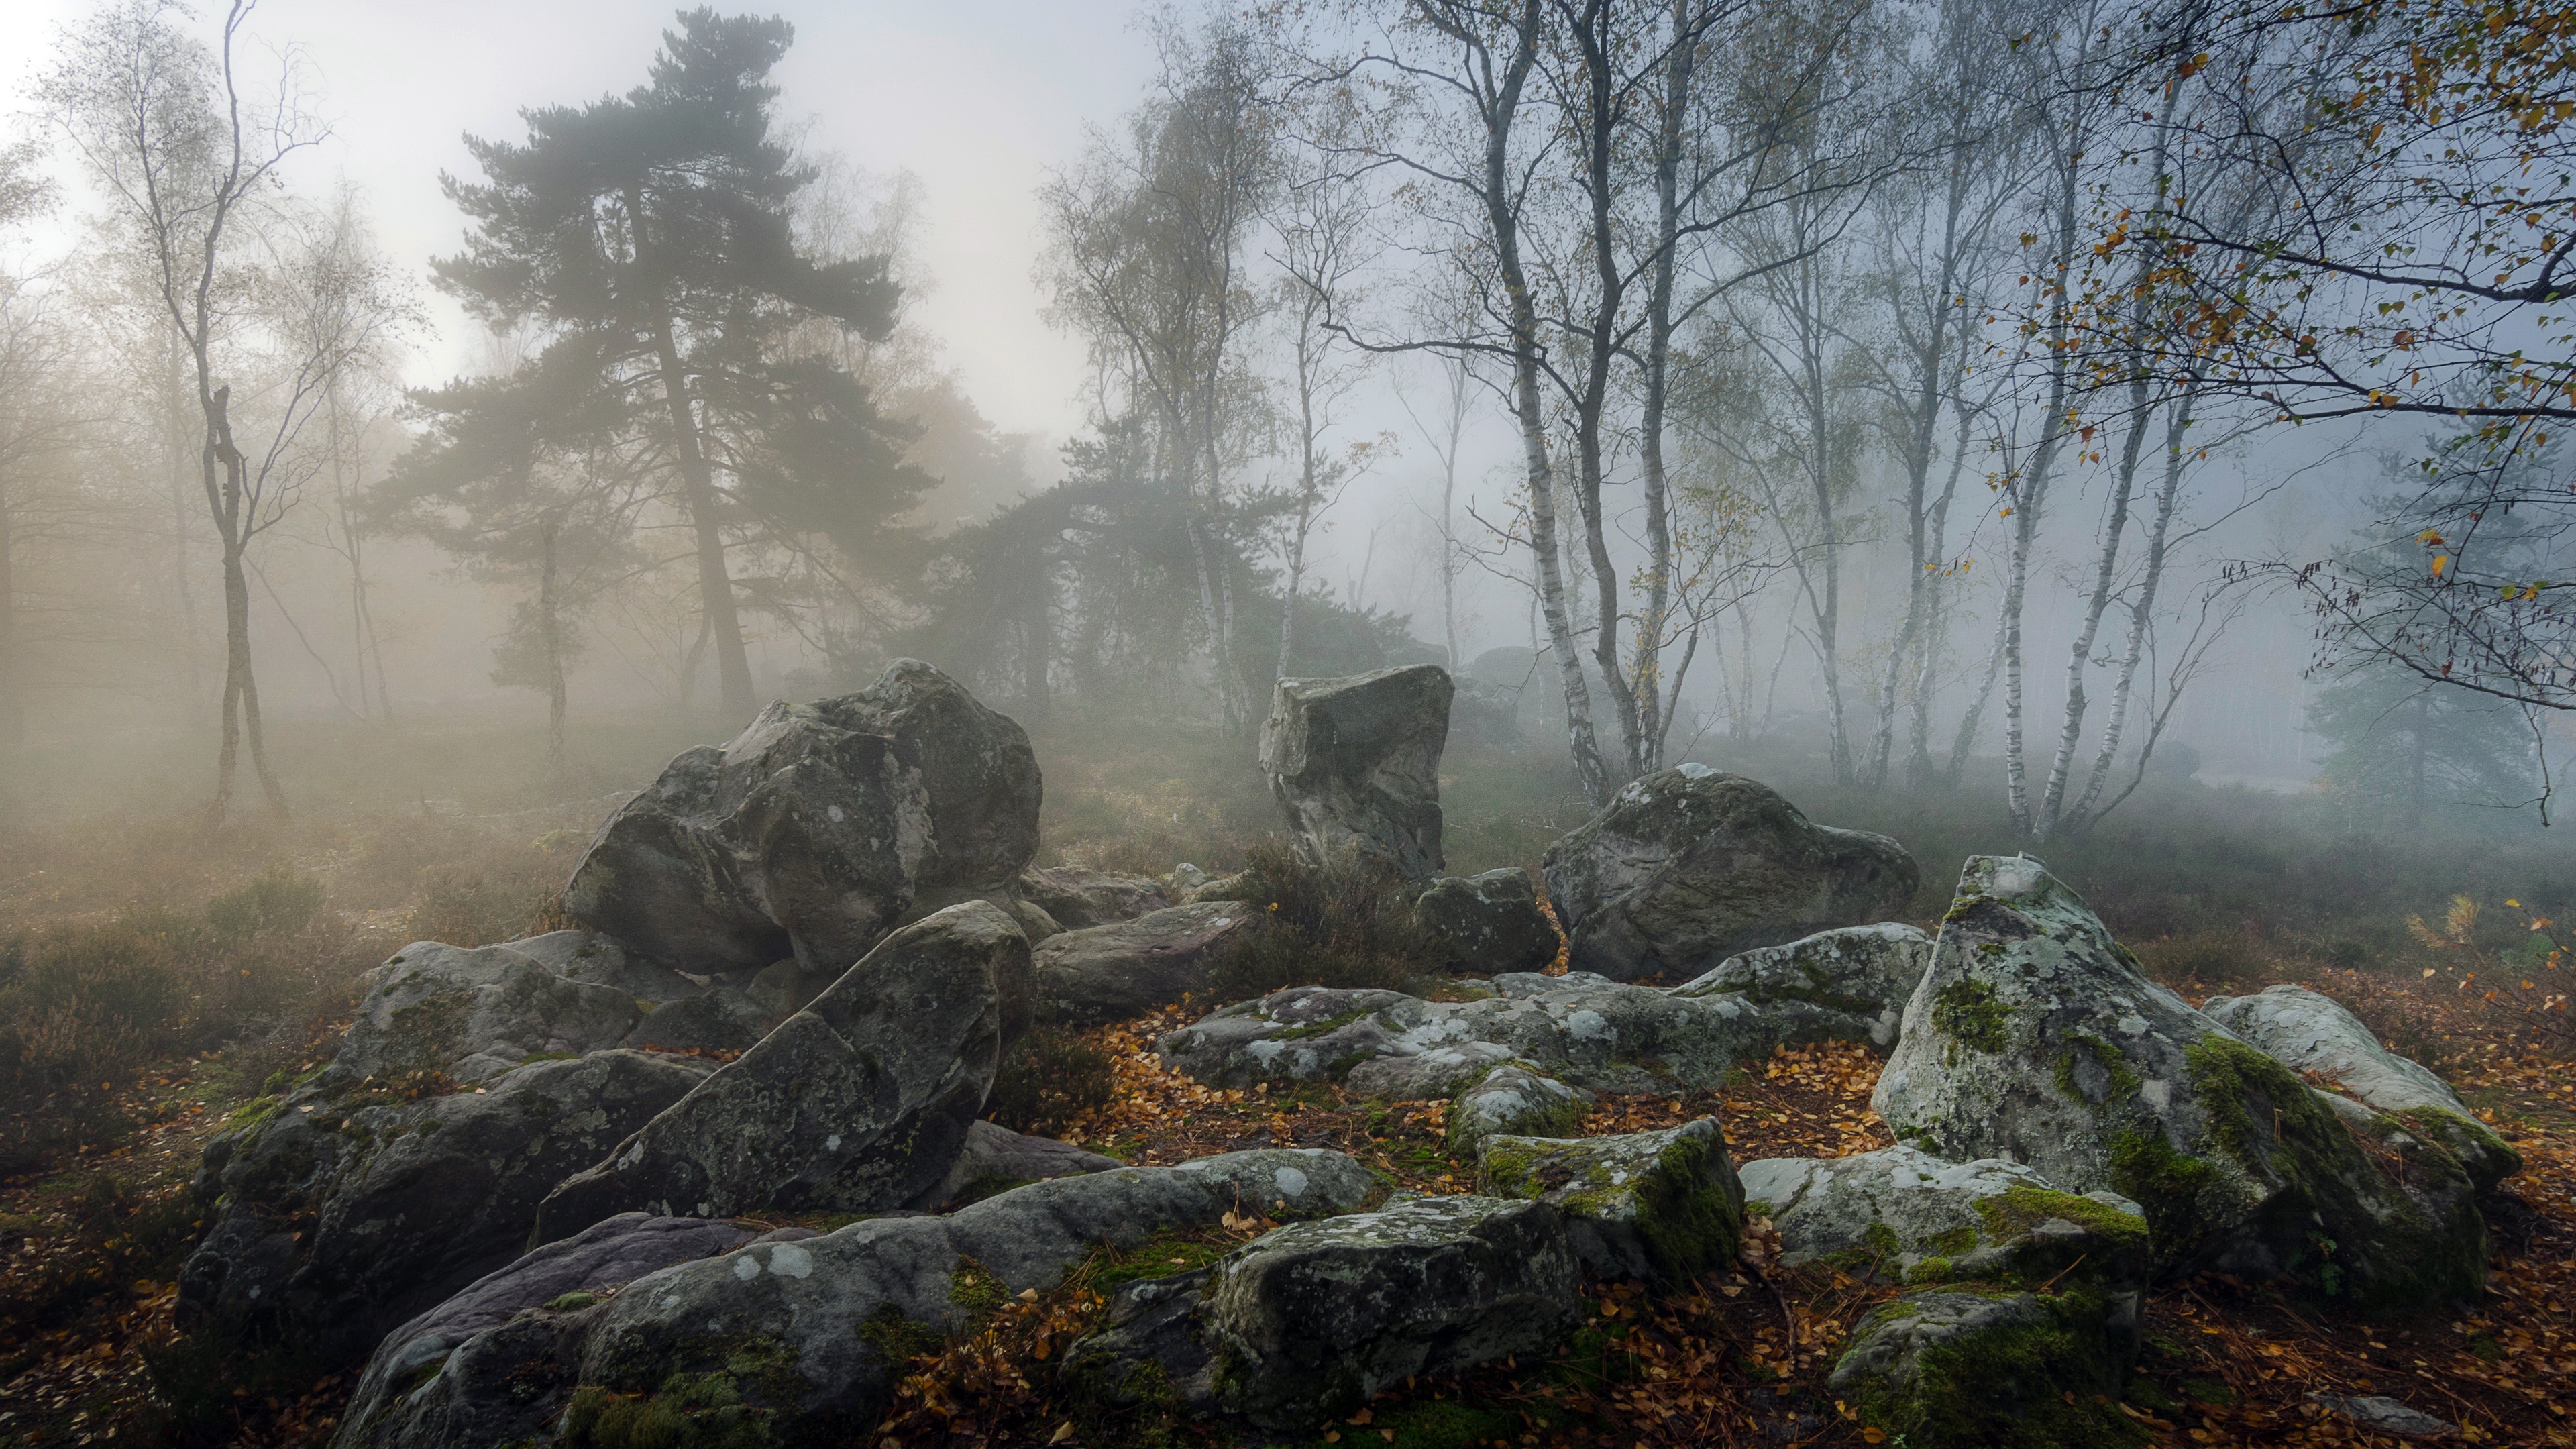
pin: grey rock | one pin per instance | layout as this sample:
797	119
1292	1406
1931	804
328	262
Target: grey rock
2034	1037
1849	984
431	1005
338	1217
1127	968
1941	1369
783	987
858	1103
1354	762
994	1152
823	1311
604	1256
1660	1204
1310	1320
2310	1032
1689	866
2383	1415
1904	1215
818	829
596	960
1487	923
1515	1100
1598	1034
720	1019
1485	714
1079	898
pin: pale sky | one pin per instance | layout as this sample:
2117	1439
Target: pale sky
977	97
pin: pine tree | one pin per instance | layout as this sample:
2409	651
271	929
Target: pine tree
2410	748
654	227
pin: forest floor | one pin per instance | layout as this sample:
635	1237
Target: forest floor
95	1214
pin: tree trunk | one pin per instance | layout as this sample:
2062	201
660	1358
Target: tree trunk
715	585
2030	494
550	632
2141	616
13	720
241	690
1528	410
1657	699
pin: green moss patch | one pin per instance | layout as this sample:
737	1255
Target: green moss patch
2008	1387
1967	1012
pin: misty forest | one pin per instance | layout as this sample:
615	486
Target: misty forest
1435	722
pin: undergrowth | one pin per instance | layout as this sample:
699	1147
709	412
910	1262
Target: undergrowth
1349	928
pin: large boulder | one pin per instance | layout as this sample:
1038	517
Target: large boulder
1127	968
1660	1204
1579	1028
858	1103
1307	1322
1906	1216
803	1342
2309	1032
435	1007
1355	764
1487	924
2035	1038
337	1216
1078	898
818	829
1689	866
1849	984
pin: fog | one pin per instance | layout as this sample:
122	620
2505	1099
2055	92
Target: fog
1150	320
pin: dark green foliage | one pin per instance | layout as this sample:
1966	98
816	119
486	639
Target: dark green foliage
1047	1081
1351	928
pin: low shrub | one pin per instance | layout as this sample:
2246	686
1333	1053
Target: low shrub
270	905
1345	928
465	908
2209	958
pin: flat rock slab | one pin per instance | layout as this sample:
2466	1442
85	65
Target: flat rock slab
858	1103
1079	898
1124	969
2307	1031
1662	1204
818	829
596	960
1853	982
2035	1037
2383	1415
1578	1028
812	1335
1354	763
1689	866
1906	1216
1307	1322
337	1216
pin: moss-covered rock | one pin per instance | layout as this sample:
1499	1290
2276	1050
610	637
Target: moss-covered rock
1308	1321
1942	1368
1514	1099
336	1217
1894	1213
2307	1031
2035	1038
814	1332
1645	1205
